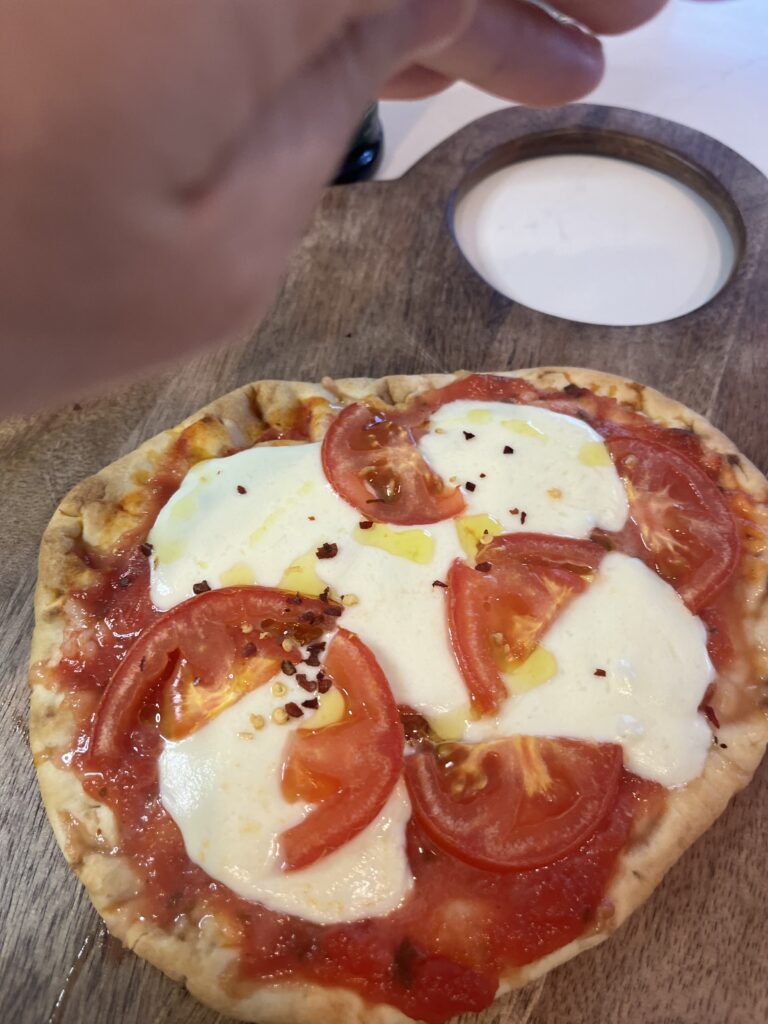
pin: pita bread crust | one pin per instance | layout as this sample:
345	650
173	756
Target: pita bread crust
104	505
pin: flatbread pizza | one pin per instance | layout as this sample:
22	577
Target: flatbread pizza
368	701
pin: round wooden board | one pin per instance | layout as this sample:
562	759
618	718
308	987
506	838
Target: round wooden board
379	287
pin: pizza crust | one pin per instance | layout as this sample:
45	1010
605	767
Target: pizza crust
106	504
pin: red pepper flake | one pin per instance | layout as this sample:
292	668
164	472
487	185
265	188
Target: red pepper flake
324	684
483	567
201	588
288	667
327	550
523	517
316	647
293	709
146	548
723	746
324	597
482	476
439	583
312	659
311	519
310	685
309	617
709	713
514	511
334	611
600	672
241	489
249	650
706	707
313	702
296	599
366	524
470	486
509	450
467	435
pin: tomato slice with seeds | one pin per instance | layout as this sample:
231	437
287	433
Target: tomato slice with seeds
352	766
199	658
372	461
513	804
680	523
496	616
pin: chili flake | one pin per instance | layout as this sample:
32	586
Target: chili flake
508	450
201	588
483	567
600	672
241	489
146	548
293	709
439	583
327	550
288	667
467	435
366	524
313	702
470	486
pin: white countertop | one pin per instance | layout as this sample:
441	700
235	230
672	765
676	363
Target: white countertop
704	65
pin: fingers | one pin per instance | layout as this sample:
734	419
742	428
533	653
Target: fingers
608	17
415	83
518	51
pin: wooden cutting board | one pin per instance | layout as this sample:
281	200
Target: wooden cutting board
378	287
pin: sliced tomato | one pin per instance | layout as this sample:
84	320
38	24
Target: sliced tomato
480	387
498	609
372	461
680	523
197	660
513	804
352	765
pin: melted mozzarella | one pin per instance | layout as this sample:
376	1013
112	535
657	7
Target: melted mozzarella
634	627
222	786
552	474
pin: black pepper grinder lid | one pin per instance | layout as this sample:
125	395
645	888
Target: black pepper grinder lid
365	151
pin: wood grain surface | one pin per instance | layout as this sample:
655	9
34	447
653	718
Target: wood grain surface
378	287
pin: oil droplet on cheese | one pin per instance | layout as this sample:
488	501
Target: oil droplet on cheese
415	545
167	547
479	416
539	667
594	453
332	709
452	724
301	575
522	427
238	575
475	531
184	508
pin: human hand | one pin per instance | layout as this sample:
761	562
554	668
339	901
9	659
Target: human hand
160	158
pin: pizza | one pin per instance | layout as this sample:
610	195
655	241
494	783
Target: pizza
368	701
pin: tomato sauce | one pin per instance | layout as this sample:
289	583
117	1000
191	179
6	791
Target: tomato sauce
460	928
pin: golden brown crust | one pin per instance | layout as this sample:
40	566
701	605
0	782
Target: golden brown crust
102	507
